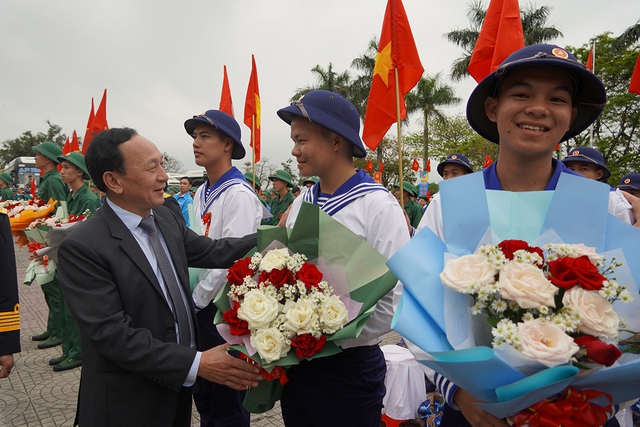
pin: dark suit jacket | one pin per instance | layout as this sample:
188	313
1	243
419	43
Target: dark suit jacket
9	308
132	366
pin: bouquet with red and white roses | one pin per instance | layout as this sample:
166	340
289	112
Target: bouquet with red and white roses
553	305
299	295
531	327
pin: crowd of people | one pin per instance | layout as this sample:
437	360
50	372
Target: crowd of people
121	305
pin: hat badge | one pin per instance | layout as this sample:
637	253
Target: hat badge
559	53
454	157
628	180
575	152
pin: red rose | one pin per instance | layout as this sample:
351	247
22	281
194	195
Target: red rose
307	345
279	277
237	326
309	274
508	247
239	271
568	272
599	351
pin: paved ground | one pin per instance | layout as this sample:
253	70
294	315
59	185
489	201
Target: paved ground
34	395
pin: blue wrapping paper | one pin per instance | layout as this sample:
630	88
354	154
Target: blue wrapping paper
577	213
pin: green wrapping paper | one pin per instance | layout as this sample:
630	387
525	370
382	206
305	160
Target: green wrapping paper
318	236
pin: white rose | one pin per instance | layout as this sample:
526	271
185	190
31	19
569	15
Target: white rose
275	258
270	344
258	309
546	342
467	272
333	314
525	284
301	316
589	251
597	316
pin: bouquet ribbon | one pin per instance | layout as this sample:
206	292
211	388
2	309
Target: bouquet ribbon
572	408
277	373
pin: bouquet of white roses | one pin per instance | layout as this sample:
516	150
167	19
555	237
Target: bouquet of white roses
554	310
299	295
548	305
281	301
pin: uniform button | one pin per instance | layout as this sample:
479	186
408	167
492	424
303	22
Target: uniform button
171	329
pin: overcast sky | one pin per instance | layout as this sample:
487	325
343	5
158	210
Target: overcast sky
162	61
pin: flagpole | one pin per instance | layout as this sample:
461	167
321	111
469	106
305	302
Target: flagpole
253	151
398	120
593	64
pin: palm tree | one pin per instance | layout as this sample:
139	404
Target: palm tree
361	85
628	37
535	27
327	80
427	97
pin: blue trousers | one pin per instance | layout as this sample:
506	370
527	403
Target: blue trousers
218	405
342	390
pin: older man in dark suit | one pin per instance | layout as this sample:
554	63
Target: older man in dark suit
124	275
9	306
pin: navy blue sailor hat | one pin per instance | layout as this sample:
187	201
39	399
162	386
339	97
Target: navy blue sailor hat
630	181
588	155
330	110
221	121
455	158
589	94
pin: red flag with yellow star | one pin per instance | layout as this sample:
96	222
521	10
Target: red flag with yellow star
634	84
99	122
74	147
500	36
66	148
252	110
88	133
396	50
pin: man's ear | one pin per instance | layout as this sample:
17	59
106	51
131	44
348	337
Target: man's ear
491	108
599	173
112	182
228	144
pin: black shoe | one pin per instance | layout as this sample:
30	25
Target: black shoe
50	342
58	359
41	337
67	364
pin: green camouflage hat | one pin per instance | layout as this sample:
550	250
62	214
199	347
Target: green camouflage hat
77	160
281	175
49	150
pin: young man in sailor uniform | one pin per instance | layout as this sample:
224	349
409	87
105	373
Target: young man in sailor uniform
346	389
227	207
539	96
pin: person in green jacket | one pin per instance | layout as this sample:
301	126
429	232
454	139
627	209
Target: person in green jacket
79	200
281	182
5	190
51	187
413	208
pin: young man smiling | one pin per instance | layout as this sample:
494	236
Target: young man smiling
538	97
346	389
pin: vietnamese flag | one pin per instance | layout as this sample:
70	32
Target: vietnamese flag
415	166
590	60
500	36
396	52
66	148
87	132
252	110
99	122
381	169
226	104
32	189
74	147
634	85
428	168
488	161
369	167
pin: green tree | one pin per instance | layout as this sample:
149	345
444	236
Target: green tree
429	95
361	85
327	80
389	149
535	27
628	37
23	145
616	133
456	136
